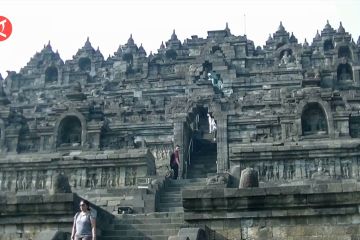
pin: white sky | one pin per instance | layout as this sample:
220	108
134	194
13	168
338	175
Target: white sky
109	23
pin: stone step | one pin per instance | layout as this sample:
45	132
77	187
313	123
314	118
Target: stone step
152	215
155	221
201	157
202	170
132	232
144	227
200	173
192	175
186	186
205	167
154	237
182	181
171	204
171	194
171	209
178	189
202	161
166	199
155	218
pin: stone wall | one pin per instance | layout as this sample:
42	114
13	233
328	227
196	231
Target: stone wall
85	170
23	216
291	162
314	210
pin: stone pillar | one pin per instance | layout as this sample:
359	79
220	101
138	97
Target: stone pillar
354	168
122	176
179	140
41	148
48	182
98	177
1	180
297	169
356	74
222	143
83	178
12	179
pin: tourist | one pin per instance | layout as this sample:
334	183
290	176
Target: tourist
84	226
210	122
213	127
175	161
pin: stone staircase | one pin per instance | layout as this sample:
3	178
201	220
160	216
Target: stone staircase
203	160
170	197
169	217
152	226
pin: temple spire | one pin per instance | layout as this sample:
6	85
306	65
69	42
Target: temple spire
130	40
281	27
173	36
87	43
341	28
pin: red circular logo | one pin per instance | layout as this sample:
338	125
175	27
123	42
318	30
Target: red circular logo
5	28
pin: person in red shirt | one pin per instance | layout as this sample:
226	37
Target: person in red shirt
175	161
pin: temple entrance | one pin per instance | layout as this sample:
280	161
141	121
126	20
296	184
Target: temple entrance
202	160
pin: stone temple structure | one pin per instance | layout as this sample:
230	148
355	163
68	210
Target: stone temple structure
288	111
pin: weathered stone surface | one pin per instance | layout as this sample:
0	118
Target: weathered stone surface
192	234
60	184
249	178
51	235
287	110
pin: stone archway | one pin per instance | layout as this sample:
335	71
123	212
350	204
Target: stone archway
69	132
2	136
51	75
344	52
85	64
354	126
313	120
199	145
344	72
328	45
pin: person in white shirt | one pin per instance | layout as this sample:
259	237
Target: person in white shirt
210	123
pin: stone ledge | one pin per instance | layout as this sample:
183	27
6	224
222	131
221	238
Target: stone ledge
306	200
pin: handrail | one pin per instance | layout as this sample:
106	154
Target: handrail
190	150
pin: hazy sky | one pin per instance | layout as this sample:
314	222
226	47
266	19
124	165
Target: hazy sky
109	23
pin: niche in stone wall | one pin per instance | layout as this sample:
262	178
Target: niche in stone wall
328	45
344	52
85	64
69	132
171	54
313	120
27	141
288	52
344	72
207	67
354	126
279	45
128	57
214	49
51	75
